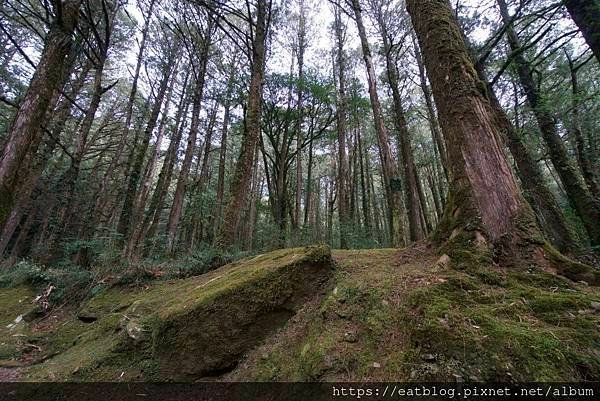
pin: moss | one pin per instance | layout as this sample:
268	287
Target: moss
14	303
187	328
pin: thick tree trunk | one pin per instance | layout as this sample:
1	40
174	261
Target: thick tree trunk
26	126
587	208
243	169
485	205
433	121
392	181
586	14
549	214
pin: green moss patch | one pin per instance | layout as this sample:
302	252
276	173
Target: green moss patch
397	316
184	329
15	303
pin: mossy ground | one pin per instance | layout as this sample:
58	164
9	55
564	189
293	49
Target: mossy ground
385	315
14	303
400	316
163	331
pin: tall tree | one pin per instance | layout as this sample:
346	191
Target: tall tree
243	170
586	14
382	16
343	165
392	181
48	76
485	205
587	208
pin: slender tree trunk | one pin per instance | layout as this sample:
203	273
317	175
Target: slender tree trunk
243	171
127	212
177	207
343	165
587	208
586	14
585	163
485	205
404	140
151	218
26	126
223	151
392	181
364	188
301	50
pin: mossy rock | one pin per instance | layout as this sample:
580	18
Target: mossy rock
185	329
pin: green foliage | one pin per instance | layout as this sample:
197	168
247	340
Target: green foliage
70	282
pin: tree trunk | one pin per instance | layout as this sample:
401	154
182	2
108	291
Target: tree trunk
26	126
433	121
404	140
127	213
392	181
587	208
586	14
164	178
549	214
182	183
583	158
223	150
243	169
129	113
485	207
343	165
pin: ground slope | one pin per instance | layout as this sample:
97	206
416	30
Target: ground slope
402	315
294	315
181	329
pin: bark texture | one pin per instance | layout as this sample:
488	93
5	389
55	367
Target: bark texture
586	14
485	205
26	126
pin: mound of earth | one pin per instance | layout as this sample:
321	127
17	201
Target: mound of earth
183	329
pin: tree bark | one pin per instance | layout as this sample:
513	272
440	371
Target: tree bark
586	14
26	126
485	206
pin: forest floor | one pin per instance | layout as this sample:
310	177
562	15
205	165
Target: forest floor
381	315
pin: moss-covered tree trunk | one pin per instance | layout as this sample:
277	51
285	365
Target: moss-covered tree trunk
586	14
243	170
548	212
26	126
586	207
485	209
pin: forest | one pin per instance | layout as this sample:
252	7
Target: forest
360	184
